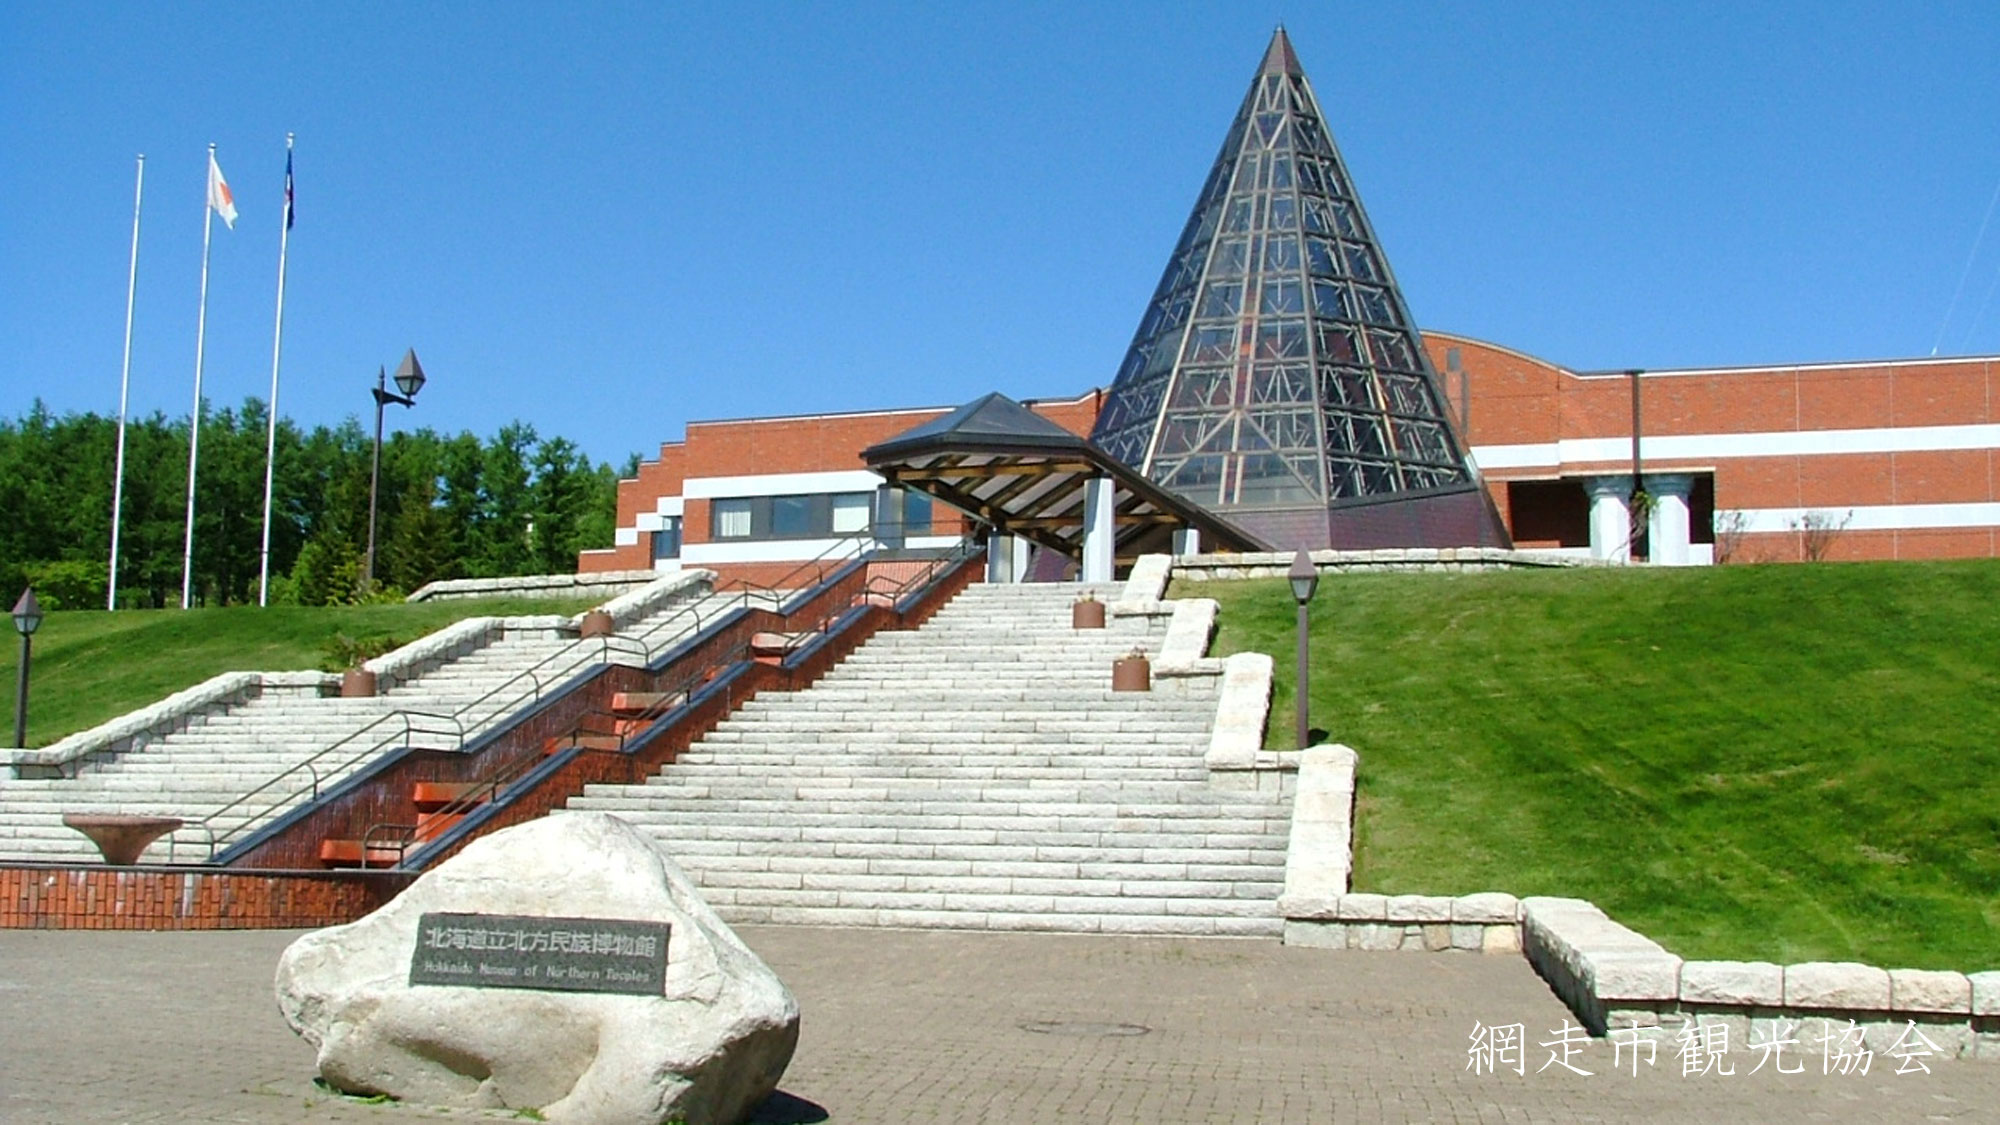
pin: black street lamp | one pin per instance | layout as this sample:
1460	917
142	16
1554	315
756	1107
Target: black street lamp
1304	577
27	619
409	380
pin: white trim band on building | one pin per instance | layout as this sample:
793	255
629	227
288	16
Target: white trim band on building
1777	443
780	484
1878	517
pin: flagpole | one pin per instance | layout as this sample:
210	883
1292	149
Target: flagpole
124	388
194	424
277	345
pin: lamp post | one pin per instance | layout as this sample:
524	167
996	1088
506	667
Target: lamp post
409	380
27	619
1304	577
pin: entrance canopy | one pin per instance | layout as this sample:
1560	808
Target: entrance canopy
1024	475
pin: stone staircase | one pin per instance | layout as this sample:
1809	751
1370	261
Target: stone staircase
977	773
226	754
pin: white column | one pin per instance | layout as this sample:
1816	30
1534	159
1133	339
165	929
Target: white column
1019	553
1187	541
1610	517
1099	531
1667	527
999	558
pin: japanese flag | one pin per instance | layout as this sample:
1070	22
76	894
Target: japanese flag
219	195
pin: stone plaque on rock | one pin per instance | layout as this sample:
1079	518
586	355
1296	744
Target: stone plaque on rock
553	954
703	1042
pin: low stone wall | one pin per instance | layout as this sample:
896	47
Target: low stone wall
1615	979
662	590
606	584
1479	923
1274	564
136	729
1618	980
1184	650
1236	751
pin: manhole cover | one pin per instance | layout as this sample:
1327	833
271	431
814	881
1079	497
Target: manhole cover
1092	1030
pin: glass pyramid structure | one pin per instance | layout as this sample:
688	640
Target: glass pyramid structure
1277	375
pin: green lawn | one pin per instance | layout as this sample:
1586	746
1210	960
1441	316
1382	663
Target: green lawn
1751	762
90	666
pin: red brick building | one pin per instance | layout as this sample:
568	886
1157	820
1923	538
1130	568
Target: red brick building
1895	459
1277	378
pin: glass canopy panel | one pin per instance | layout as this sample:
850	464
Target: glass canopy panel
1276	345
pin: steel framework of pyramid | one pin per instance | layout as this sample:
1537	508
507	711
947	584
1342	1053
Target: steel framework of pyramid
1277	375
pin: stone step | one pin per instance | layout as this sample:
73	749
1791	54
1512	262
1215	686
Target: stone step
767	761
779	798
808	832
1021	919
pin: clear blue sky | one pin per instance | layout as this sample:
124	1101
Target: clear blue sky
608	219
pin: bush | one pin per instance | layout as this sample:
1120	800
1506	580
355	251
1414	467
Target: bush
341	652
70	583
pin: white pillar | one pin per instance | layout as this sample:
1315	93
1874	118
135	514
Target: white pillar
1610	517
999	558
1187	541
1099	531
1019	553
1667	527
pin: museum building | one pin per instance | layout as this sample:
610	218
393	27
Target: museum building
1278	385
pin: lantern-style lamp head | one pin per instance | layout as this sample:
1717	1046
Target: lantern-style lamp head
27	613
410	374
1304	577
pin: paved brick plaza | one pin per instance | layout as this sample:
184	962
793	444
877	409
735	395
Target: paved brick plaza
907	1026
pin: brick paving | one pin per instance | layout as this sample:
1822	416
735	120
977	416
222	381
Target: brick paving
906	1026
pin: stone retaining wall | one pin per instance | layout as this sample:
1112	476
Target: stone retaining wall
1479	923
605	584
649	598
1274	564
1614	978
136	729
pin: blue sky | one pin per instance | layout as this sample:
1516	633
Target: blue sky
608	219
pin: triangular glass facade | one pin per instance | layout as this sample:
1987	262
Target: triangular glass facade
1277	366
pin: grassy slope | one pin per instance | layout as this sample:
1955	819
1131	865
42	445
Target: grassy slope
93	666
1782	763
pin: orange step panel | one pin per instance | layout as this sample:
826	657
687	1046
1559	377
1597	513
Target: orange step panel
347	853
431	825
433	795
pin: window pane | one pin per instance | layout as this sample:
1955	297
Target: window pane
916	513
850	512
791	515
667	540
732	519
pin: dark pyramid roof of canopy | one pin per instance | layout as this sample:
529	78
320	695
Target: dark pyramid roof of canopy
994	421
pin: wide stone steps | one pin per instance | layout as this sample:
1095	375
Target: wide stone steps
219	758
975	773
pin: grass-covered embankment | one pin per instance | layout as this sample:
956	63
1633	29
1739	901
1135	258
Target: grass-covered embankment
1777	762
91	666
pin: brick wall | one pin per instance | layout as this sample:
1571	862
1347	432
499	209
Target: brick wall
96	897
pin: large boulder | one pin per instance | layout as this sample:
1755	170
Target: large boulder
708	1046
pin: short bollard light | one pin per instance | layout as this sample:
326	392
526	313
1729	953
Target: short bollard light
1304	577
27	619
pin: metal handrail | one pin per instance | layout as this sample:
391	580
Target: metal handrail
489	786
570	658
680	695
401	718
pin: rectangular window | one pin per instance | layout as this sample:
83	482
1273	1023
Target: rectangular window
916	513
791	516
850	512
667	540
732	519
